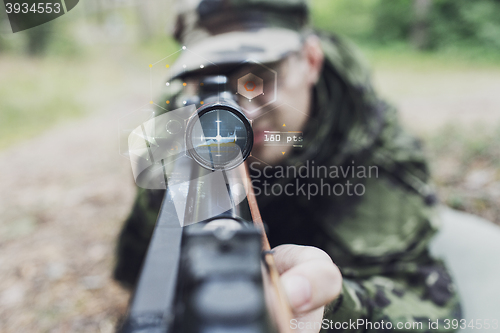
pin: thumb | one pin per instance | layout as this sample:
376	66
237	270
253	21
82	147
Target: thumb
309	276
298	290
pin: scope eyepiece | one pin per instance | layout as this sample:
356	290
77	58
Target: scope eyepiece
219	136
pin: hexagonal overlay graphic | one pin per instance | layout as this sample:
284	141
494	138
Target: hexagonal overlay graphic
263	93
250	86
154	141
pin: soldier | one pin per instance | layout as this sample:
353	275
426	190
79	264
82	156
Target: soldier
363	257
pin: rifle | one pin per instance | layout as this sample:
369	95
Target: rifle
216	275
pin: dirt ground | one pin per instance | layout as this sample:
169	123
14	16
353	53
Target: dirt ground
457	114
65	194
428	99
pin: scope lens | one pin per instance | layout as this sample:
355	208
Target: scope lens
220	138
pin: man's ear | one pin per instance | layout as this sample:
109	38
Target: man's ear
314	56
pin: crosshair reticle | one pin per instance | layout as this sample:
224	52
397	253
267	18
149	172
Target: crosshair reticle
220	137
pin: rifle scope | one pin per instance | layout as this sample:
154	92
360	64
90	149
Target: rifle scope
218	136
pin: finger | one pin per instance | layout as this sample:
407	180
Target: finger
308	275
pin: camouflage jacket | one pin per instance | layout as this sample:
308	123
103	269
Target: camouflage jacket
379	240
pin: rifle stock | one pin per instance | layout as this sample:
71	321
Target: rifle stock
218	275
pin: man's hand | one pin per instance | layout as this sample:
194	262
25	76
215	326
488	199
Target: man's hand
311	280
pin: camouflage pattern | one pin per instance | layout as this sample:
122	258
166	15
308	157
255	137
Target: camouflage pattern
222	32
199	19
266	45
135	235
379	240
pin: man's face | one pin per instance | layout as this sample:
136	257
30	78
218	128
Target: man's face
284	105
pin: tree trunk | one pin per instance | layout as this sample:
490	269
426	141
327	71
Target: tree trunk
420	29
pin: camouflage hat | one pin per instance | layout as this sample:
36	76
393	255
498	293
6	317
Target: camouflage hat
216	32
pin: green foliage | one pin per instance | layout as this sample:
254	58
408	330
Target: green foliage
347	17
80	64
38	39
456	201
36	94
464	21
158	47
63	41
451	24
392	20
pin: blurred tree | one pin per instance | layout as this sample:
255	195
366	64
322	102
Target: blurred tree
146	20
351	18
438	23
1	37
392	20
466	22
4	27
154	17
38	39
420	27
